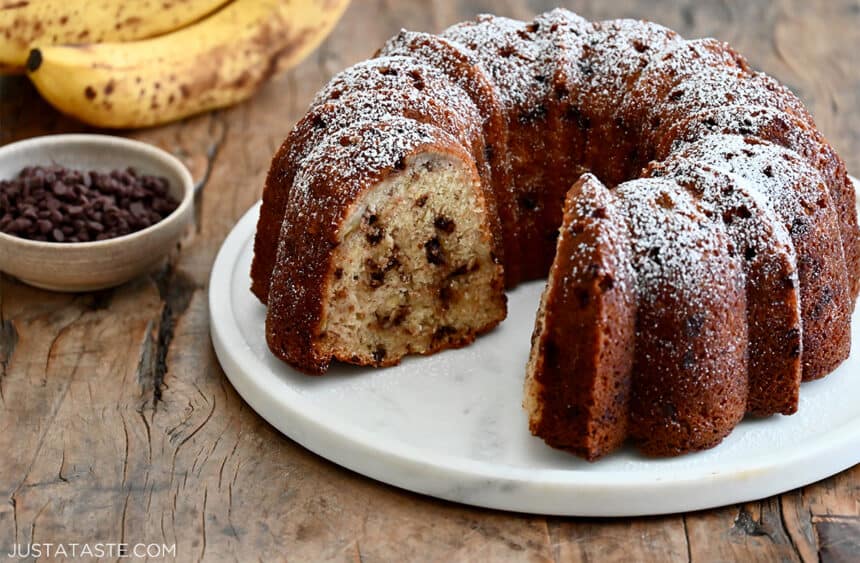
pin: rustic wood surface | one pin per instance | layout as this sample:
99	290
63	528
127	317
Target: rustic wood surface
117	424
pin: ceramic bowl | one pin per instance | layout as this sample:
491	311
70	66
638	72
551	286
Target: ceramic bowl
87	266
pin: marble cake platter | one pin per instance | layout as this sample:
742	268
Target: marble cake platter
452	426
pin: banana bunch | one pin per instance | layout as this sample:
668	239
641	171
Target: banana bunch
214	62
58	22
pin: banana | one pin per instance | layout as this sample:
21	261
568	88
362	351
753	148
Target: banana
213	63
56	22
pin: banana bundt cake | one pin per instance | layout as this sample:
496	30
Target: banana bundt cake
698	232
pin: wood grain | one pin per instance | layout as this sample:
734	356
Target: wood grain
117	424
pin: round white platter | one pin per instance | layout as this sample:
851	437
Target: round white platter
452	426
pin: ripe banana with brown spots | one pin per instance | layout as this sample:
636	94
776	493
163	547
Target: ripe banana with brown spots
213	63
24	24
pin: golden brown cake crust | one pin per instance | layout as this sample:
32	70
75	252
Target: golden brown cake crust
582	354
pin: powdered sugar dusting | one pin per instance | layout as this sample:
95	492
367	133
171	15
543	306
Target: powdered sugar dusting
616	52
397	73
594	202
513	55
677	250
792	187
353	157
451	59
756	231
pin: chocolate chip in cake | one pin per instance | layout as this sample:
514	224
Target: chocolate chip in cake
489	154
599	213
607	282
532	115
444	331
693	325
464	269
688	362
379	354
529	202
444	224
433	250
374	236
445	295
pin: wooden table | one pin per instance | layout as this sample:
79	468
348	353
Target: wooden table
118	425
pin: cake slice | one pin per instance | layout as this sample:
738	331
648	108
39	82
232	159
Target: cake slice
690	359
579	372
396	253
453	60
388	86
770	269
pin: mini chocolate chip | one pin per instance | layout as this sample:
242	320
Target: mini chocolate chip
489	154
532	115
444	224
529	202
379	354
693	325
444	331
607	282
374	236
599	213
43	201
445	295
433	250
688	362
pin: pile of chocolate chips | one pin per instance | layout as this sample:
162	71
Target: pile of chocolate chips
57	204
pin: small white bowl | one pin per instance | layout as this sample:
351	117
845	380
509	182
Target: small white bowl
87	266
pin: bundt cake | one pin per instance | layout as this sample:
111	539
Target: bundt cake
698	233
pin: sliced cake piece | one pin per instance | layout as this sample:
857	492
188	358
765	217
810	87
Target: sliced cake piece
690	368
390	86
578	377
773	300
454	61
400	254
799	196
